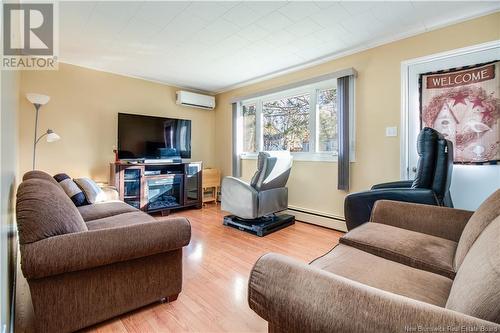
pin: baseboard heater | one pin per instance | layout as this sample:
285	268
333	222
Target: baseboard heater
317	218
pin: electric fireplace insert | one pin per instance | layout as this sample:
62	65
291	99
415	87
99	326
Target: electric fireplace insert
164	192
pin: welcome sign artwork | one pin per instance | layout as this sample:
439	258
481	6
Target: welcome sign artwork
464	105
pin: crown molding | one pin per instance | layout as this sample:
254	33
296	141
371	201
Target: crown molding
164	83
338	55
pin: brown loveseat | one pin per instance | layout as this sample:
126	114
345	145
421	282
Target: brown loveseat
412	268
89	264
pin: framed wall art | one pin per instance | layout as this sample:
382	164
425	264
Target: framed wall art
464	105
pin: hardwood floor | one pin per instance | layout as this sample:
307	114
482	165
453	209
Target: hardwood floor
217	263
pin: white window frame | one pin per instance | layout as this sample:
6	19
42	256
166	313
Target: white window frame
312	90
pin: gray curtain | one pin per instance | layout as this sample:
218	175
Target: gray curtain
236	159
343	132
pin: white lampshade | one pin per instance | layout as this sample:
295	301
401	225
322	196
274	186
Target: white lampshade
51	136
37	98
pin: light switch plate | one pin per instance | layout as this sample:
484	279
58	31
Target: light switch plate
391	131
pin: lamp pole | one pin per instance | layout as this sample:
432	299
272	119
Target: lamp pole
37	108
38	100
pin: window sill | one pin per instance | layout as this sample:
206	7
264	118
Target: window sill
305	157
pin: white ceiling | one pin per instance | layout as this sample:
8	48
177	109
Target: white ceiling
212	46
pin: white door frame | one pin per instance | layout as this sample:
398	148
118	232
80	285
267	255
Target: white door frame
405	94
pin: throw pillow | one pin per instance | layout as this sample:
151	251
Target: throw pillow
71	189
92	191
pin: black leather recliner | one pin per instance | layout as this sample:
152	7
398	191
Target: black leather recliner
431	185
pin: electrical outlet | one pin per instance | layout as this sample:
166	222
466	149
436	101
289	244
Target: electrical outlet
391	131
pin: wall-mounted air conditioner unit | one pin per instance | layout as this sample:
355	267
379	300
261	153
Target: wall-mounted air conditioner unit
194	100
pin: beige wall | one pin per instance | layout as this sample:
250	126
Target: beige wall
9	97
313	184
83	110
84	106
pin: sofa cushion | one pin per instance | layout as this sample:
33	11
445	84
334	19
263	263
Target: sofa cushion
120	220
486	213
104	209
476	288
72	190
384	274
37	174
422	251
43	211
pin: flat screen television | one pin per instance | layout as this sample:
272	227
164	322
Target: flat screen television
147	137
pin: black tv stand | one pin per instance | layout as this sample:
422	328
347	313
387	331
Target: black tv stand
158	187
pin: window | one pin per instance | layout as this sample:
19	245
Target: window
249	134
302	120
327	120
285	124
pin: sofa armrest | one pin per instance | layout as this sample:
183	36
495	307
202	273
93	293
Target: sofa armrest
396	184
110	193
437	221
89	249
295	297
358	206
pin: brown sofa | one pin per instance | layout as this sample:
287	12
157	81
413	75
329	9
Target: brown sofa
86	265
412	268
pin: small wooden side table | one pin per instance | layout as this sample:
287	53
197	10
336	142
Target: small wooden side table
210	185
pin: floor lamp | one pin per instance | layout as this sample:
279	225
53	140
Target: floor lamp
38	100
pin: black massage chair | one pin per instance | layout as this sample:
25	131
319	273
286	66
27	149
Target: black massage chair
431	185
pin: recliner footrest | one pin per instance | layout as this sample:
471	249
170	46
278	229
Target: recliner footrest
261	226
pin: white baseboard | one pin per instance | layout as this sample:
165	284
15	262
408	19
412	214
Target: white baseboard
318	218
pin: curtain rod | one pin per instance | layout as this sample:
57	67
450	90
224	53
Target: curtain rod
324	77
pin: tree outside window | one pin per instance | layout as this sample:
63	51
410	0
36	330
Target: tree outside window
302	120
286	124
327	120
